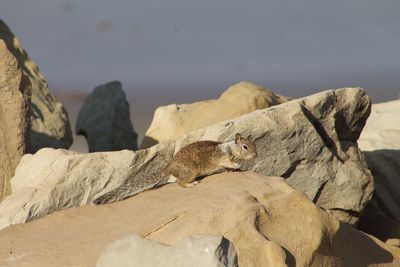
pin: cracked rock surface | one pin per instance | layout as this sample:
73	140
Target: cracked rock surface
311	142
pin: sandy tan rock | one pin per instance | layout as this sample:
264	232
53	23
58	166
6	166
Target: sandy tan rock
104	120
173	121
267	221
15	91
382	129
380	142
49	123
195	251
311	142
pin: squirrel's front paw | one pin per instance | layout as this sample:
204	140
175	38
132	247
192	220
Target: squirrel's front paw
236	166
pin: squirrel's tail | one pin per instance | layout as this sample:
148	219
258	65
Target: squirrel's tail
133	186
122	192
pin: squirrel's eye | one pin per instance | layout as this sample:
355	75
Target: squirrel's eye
245	147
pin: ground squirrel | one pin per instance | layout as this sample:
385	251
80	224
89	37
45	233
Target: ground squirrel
195	160
203	158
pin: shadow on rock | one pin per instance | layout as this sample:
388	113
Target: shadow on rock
382	215
351	248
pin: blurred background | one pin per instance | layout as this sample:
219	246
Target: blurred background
180	51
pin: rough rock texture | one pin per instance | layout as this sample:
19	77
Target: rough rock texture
55	179
173	121
49	122
15	91
196	251
311	142
380	142
268	222
105	121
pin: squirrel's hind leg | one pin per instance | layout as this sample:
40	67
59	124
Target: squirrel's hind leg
185	177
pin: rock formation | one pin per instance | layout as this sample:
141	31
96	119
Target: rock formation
49	123
105	121
173	121
55	179
15	93
268	222
311	142
196	251
381	147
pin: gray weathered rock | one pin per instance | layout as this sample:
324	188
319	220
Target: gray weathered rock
173	121
105	121
15	91
197	250
49	123
312	142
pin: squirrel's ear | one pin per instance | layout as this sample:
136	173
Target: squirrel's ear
237	138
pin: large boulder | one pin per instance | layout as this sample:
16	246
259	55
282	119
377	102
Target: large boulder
105	121
311	142
15	91
268	222
55	179
196	251
49	123
381	147
173	121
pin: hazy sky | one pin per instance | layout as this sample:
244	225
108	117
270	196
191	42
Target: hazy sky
201	47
